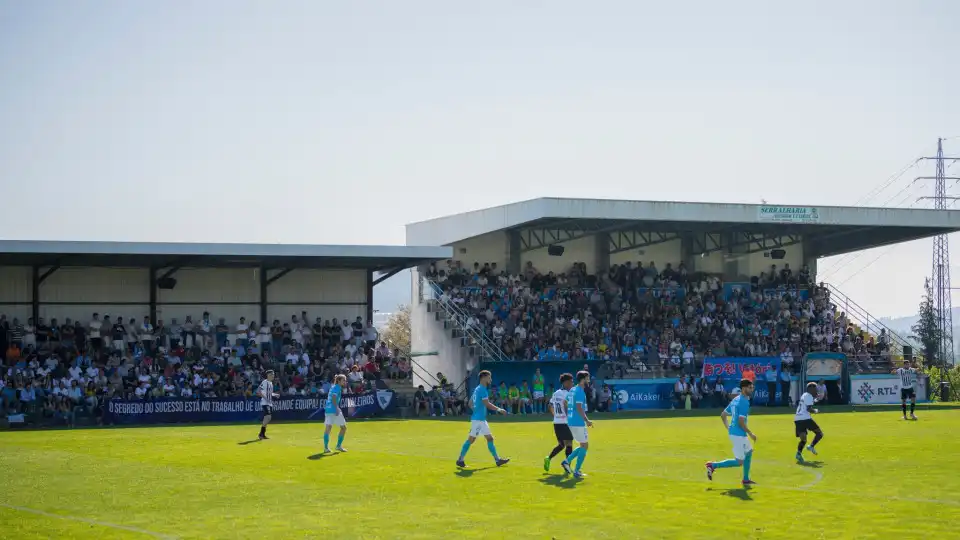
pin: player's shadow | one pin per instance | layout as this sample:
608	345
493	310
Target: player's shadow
561	481
467	473
244	443
812	464
321	455
739	493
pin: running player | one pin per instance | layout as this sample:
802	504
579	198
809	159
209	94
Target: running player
558	408
908	378
333	416
739	410
578	422
266	402
804	422
480	401
538	396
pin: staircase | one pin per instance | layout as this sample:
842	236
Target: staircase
454	321
859	316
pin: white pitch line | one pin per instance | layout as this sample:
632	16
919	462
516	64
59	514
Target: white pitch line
88	521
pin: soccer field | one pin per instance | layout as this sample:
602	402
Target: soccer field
876	477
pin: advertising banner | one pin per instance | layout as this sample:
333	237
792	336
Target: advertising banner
639	396
732	287
881	389
788	214
172	410
733	368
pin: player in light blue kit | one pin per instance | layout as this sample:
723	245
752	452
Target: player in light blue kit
578	422
480	401
332	415
739	410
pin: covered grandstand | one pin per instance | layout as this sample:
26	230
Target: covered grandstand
574	243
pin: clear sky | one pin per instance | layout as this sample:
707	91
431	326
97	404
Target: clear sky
339	122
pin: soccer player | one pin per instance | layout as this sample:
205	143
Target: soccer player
739	410
578	422
266	402
804	422
558	408
538	395
525	398
480	401
908	378
332	415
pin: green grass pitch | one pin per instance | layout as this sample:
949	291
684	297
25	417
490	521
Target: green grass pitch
876	477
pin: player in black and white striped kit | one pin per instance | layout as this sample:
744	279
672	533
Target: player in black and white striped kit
266	402
908	381
558	408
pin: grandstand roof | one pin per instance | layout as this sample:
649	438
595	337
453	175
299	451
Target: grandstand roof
835	229
166	254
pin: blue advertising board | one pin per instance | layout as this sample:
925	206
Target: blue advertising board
663	292
731	370
172	410
730	288
655	394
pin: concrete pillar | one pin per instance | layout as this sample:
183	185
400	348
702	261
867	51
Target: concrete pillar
513	252
602	256
687	256
809	258
735	263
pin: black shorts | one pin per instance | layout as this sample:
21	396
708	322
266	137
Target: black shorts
267	409
907	393
803	426
562	432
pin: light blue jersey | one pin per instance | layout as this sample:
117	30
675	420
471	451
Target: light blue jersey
333	400
480	393
740	406
577	395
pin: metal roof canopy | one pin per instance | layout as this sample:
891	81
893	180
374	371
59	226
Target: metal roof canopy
198	255
632	224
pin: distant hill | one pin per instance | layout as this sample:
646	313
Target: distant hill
392	293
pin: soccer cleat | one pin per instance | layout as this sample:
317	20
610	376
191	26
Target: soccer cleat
710	469
904	417
502	461
341	449
546	464
566	467
326	450
263	437
748	483
913	416
812	450
799	457
579	474
461	464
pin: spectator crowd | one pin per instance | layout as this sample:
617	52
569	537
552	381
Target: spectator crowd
55	372
639	317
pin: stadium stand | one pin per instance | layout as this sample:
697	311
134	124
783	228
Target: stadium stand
641	319
58	372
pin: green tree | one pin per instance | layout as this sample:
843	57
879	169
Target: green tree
926	331
397	330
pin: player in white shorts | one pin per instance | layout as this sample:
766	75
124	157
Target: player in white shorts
333	416
480	401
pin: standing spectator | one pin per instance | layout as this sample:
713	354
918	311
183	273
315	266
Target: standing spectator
605	400
785	387
370	335
96	342
770	376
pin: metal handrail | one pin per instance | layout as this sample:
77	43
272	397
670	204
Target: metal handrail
489	349
862	317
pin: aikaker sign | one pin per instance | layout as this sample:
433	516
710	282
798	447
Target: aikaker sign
788	214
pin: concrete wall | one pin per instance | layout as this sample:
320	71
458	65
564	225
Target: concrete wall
428	335
488	248
580	250
77	293
660	254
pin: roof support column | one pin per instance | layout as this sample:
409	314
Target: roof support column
513	252
37	279
263	294
686	253
153	294
370	295
735	264
602	253
809	258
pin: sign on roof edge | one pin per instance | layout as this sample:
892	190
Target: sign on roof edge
788	214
